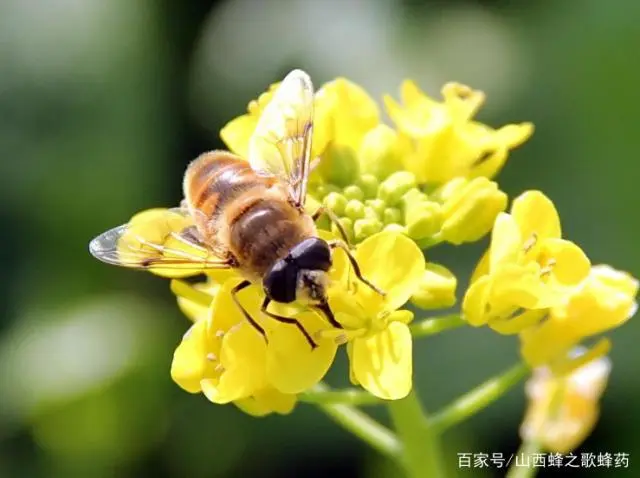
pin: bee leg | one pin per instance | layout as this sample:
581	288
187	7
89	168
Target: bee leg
287	320
328	313
334	219
356	268
246	314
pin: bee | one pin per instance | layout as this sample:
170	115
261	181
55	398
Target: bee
248	214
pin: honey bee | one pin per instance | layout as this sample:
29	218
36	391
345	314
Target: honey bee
248	215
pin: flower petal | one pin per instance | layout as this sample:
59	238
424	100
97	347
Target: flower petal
292	365
474	305
535	214
267	401
571	265
392	262
236	134
506	242
382	363
190	363
243	355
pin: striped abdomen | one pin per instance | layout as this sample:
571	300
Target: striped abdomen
242	212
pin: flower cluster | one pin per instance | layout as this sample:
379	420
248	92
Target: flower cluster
228	360
398	190
429	177
533	283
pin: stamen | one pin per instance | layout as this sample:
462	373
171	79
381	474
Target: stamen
529	243
548	268
219	334
219	368
211	357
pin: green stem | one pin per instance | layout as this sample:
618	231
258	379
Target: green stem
352	397
435	325
364	427
421	457
478	398
526	469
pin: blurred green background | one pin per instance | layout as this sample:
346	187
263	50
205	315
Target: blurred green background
102	105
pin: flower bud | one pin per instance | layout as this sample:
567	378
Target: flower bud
422	217
353	192
339	165
470	208
371	213
395	186
437	289
354	209
392	215
377	205
369	185
364	228
381	152
395	228
325	188
336	202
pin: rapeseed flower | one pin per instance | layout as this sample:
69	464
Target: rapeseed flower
447	143
379	341
605	299
563	409
377	177
527	269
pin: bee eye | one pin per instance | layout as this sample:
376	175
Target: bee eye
281	281
312	254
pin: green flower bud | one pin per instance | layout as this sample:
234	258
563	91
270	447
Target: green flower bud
339	165
437	288
323	189
353	192
347	224
392	215
469	208
377	205
395	228
395	186
364	228
423	219
354	209
381	151
336	202
371	213
369	185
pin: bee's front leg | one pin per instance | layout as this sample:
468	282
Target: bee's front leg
287	320
356	268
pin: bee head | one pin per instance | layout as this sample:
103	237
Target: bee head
300	275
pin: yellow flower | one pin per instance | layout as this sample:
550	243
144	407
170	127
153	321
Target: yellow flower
527	269
563	409
603	301
447	143
227	359
469	208
379	344
236	133
344	114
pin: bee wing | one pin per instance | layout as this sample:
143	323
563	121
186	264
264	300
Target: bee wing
164	241
281	143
